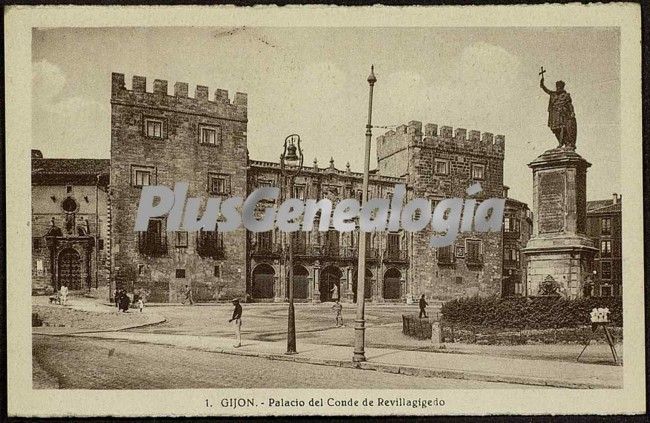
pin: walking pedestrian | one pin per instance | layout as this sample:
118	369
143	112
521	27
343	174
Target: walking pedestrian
64	294
124	301
236	318
423	306
140	304
188	295
338	308
116	297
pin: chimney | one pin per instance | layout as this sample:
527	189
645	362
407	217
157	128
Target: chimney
615	198
505	191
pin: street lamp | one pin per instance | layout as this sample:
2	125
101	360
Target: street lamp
290	166
360	323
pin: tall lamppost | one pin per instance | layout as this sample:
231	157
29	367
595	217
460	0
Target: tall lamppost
360	323
290	166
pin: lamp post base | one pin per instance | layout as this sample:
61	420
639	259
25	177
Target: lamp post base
359	344
291	332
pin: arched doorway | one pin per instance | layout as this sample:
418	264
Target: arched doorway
392	281
262	287
329	277
69	269
367	287
300	283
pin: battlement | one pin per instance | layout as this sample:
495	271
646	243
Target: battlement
442	137
220	106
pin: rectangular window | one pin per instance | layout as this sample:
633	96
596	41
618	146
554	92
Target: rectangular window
153	128
606	226
140	269
605	248
142	178
180	273
459	279
478	171
36	242
209	135
39	268
299	192
473	251
442	167
100	244
68	189
181	239
606	270
219	184
217	271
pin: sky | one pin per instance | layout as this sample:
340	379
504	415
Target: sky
312	81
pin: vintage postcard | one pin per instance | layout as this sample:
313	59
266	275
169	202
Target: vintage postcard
225	211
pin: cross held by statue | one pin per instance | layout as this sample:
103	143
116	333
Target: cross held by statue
542	72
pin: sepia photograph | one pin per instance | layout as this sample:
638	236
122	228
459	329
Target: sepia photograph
276	217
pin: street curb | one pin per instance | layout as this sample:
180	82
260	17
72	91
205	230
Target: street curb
158	320
389	368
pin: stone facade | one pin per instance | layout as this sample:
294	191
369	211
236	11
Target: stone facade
604	227
325	259
69	224
440	164
161	139
157	138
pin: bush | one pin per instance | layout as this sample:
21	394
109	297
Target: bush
528	312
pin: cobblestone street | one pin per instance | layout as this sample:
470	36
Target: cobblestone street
75	363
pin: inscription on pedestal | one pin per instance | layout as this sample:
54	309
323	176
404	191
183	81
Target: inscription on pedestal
551	202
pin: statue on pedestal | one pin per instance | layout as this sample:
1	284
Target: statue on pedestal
561	116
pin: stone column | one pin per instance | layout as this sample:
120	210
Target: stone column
279	284
316	290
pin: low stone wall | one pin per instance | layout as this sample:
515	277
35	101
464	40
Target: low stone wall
416	327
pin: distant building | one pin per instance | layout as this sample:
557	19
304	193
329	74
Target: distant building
604	220
69	223
517	230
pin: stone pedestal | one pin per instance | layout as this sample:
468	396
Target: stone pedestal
559	252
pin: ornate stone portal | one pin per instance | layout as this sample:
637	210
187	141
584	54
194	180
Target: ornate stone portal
559	249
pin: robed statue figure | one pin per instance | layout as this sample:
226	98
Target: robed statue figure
561	117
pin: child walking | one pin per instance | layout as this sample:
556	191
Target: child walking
338	308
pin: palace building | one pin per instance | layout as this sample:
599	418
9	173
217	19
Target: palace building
159	138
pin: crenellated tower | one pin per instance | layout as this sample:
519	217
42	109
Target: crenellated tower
439	163
161	139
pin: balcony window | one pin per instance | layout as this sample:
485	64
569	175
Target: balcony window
473	251
153	241
209	244
446	255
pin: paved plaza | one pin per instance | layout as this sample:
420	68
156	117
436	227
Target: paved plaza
201	332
